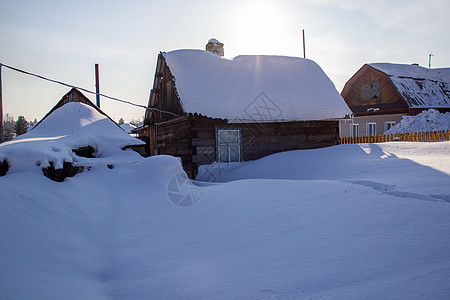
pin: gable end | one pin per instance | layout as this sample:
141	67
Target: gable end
164	103
370	91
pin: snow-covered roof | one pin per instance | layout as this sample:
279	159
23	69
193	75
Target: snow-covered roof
72	126
127	127
419	86
214	41
254	87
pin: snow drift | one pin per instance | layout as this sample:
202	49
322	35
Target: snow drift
429	120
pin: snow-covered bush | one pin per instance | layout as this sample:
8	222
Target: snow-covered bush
429	120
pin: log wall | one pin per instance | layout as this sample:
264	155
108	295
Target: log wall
204	139
193	138
262	139
175	138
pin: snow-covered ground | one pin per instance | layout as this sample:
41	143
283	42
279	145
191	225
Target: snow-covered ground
114	233
383	166
366	221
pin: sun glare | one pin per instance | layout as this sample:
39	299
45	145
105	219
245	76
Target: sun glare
258	27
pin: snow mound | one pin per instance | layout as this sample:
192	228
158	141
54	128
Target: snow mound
384	163
430	120
75	125
254	87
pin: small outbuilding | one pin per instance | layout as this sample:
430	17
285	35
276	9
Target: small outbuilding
74	136
75	96
205	108
380	94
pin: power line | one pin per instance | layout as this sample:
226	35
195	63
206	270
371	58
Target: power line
87	91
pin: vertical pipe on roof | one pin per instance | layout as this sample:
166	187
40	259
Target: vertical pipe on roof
97	86
304	50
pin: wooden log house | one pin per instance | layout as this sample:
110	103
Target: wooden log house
204	108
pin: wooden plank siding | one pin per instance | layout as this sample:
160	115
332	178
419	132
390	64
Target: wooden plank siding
389	102
163	96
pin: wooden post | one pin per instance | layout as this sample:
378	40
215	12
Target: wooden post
1	106
97	86
304	51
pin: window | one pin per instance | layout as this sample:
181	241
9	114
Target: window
370	91
229	145
371	128
354	129
388	125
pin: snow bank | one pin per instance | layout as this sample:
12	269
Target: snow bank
254	87
72	126
430	120
388	164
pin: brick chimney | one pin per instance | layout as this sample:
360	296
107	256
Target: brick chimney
215	47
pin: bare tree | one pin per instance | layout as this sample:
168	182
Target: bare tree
8	127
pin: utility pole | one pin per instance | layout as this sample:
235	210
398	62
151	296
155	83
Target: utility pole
304	52
1	106
429	59
97	86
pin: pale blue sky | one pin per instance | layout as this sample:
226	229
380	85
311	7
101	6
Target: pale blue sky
63	40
